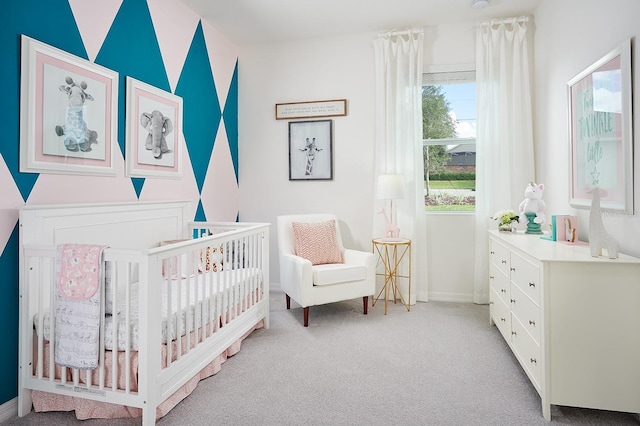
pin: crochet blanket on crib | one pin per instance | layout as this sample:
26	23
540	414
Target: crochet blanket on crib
77	319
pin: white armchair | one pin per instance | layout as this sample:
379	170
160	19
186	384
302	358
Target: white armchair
312	284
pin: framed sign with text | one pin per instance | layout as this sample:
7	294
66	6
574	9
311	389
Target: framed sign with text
600	132
313	109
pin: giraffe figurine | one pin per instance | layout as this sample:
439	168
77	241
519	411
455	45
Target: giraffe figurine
391	231
599	238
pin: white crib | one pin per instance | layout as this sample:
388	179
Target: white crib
170	308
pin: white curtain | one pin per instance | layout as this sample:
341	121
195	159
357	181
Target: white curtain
398	60
504	135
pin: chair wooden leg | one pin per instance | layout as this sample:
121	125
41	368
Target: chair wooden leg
288	301
365	302
305	312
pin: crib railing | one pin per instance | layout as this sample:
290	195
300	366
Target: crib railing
223	270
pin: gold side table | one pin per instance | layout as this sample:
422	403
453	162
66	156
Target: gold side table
391	253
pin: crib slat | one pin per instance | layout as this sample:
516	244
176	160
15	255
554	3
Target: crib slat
170	318
52	327
127	331
115	283
178	312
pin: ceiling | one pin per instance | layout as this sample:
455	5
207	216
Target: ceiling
248	22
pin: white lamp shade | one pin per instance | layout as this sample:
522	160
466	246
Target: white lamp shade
390	187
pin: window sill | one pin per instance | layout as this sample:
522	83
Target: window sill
450	213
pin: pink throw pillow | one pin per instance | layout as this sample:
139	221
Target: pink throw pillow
317	242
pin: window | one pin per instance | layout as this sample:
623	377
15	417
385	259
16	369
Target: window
449	140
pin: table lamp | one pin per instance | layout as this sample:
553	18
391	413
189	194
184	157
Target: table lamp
390	187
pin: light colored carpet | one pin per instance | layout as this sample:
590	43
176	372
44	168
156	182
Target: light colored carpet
440	364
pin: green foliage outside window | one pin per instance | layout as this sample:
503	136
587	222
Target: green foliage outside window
437	123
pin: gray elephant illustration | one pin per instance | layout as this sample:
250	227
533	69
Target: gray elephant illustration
78	135
158	127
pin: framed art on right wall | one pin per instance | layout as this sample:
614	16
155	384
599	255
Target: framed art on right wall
600	132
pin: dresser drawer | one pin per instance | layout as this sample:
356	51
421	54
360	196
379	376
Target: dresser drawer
499	311
527	350
499	282
500	257
526	276
527	312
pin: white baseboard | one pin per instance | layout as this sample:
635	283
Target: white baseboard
451	297
9	410
275	287
420	297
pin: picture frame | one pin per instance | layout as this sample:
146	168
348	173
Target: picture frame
154	132
311	109
68	112
601	133
311	150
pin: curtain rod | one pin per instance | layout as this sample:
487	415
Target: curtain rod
402	32
504	21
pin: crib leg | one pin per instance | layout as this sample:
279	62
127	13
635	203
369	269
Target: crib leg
365	302
24	402
305	312
288	301
148	416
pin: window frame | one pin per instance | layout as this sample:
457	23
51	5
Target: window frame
443	77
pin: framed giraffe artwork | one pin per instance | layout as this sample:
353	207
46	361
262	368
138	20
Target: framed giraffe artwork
68	112
311	150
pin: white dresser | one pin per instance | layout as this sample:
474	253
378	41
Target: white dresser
572	320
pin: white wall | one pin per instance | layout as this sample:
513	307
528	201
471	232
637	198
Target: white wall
570	36
335	68
309	70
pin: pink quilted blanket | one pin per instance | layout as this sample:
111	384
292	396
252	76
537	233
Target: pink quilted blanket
77	332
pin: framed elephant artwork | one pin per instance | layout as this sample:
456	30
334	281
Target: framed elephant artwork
68	112
154	132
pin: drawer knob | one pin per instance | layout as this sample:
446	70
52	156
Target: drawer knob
504	261
512	269
532	285
503	319
513	300
502	290
532	322
493	252
534	361
490	277
513	333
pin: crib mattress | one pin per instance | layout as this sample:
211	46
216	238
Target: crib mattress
196	296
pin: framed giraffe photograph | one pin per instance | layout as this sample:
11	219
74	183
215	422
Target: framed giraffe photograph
311	150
